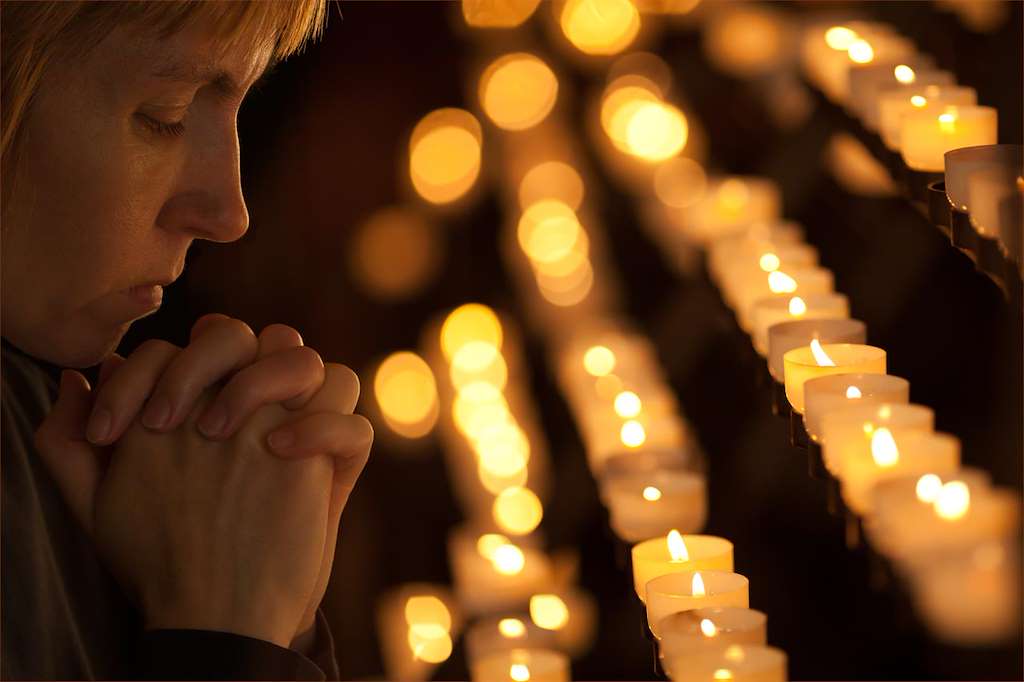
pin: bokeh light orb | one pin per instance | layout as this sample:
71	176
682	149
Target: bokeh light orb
406	393
444	155
517	91
600	27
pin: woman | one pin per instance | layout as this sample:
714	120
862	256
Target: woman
177	520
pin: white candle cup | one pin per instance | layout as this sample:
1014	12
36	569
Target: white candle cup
974	597
875	118
495	634
690	632
825	394
867	80
996	198
904	454
894	105
739	663
900	503
849	428
795	281
750	242
777	309
650	505
729	204
653	558
750	266
926	135
517	665
800	366
674	592
645	462
960	164
611	437
496	583
786	336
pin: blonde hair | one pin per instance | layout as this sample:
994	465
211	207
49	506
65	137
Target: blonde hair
38	35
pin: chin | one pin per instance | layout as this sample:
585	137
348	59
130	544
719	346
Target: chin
75	346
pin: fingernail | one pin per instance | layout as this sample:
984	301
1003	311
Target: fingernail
99	426
213	422
157	414
280	440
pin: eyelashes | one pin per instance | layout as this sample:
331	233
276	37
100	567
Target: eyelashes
161	128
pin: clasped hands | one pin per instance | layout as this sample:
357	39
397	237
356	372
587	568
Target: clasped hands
212	478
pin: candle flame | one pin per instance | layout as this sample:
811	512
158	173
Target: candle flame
883	448
632	434
885	412
548	611
781	283
508	560
627	404
953	501
947	121
735	653
519	672
918	101
840	37
852	393
652	494
820	356
928	488
904	74
677	547
769	262
797	307
697	586
860	51
708	628
488	542
513	628
723	674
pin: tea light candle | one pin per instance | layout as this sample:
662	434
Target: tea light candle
796	281
961	164
825	394
750	243
642	506
749	269
866	80
996	198
416	625
493	573
895	104
520	665
925	136
739	662
850	428
873	116
495	634
676	553
786	336
773	310
728	205
698	630
570	614
800	365
890	453
674	592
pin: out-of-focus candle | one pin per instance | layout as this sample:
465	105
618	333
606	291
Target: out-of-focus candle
996	200
925	136
643	506
728	205
698	630
922	79
850	428
825	394
676	553
749	269
800	365
750	244
795	281
774	310
739	662
866	80
961	164
521	665
786	336
504	633
493	573
416	624
895	104
674	592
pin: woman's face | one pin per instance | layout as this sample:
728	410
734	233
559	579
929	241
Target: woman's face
128	155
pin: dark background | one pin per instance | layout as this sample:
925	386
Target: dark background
321	149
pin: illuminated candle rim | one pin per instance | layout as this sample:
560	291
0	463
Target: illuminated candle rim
802	356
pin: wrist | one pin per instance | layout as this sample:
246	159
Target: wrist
206	619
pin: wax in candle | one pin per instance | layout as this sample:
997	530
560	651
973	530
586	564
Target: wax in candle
895	104
796	281
749	268
825	394
786	336
647	505
925	136
773	310
739	662
866	80
874	117
699	630
817	360
849	429
521	665
675	553
674	592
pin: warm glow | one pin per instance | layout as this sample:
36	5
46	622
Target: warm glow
548	230
852	393
478	361
503	449
697	586
820	356
508	560
488	543
600	27
769	262
430	643
512	628
928	488
517	91
781	283
479	407
632	434
953	501
395	253
722	674
797	307
548	611
608	386
651	494
517	510
680	182
883	448
444	155
519	672
427	609
469	322
677	546
918	101
860	51
627	404
551	180
733	196
904	74
947	121
656	131
407	394
840	38
491	14
598	361
708	628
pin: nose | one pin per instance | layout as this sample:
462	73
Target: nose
208	203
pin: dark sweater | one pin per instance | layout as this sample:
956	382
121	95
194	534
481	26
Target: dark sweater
63	615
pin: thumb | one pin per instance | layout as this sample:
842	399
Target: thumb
75	464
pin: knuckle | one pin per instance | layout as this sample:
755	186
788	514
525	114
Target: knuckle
156	347
309	360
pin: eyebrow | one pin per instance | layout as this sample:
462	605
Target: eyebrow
196	73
